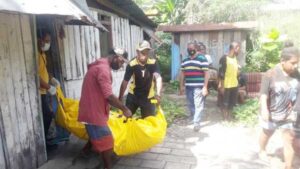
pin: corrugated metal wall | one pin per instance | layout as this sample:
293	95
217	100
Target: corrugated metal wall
22	143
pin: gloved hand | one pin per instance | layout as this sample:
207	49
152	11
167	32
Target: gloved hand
54	82
52	90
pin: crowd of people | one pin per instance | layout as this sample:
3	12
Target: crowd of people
279	99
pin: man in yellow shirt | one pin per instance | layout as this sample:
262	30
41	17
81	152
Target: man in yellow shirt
47	87
228	79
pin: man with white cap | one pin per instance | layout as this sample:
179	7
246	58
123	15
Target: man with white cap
145	75
96	95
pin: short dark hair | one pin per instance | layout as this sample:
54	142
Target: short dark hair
42	33
233	45
289	52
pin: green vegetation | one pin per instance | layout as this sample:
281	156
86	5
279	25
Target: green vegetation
171	88
247	112
286	22
267	49
216	11
172	109
163	53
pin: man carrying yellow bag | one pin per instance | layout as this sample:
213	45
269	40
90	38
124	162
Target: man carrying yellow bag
96	96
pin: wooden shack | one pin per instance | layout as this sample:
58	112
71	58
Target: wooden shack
74	45
127	25
216	37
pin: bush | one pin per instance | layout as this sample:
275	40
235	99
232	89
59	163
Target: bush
171	88
247	112
163	53
266	53
172	110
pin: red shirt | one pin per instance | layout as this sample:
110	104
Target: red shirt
96	88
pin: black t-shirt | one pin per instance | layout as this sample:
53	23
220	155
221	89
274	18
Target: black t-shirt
142	84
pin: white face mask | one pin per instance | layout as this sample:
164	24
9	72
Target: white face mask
46	47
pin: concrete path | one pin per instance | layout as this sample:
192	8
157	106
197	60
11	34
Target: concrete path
219	145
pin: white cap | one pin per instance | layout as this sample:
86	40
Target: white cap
143	45
119	51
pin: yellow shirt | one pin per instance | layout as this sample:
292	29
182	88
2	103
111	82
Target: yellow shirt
43	72
231	73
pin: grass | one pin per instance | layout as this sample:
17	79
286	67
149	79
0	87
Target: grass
246	113
172	109
171	88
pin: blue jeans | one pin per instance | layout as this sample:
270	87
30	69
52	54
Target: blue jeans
195	103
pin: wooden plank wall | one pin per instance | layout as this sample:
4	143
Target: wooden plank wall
22	139
217	43
80	47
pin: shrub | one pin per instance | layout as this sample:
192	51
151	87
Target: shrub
266	53
247	112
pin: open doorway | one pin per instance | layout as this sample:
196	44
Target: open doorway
50	75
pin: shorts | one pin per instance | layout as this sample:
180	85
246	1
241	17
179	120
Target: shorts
270	125
230	97
100	137
133	103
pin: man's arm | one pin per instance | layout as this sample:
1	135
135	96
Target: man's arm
205	88
44	85
123	89
221	73
265	114
181	82
127	77
264	91
158	81
114	101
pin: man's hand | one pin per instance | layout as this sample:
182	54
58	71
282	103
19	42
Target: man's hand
127	113
204	91
221	89
121	99
54	82
265	115
52	90
157	97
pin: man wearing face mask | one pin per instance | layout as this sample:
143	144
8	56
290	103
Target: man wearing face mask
47	84
145	75
96	95
194	77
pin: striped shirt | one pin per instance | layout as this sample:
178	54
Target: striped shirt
193	70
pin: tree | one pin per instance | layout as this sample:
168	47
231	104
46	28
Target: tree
164	11
266	53
216	11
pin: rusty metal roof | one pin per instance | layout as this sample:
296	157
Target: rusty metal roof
208	27
134	11
74	8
